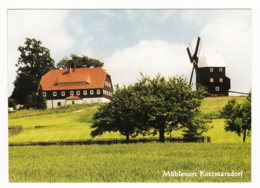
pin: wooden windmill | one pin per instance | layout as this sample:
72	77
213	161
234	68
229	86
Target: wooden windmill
210	71
194	58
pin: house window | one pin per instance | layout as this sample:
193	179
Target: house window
44	94
220	70
221	80
217	88
71	92
63	93
73	102
211	69
85	92
91	92
78	92
54	93
98	91
59	104
211	79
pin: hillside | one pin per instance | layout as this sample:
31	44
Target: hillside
73	123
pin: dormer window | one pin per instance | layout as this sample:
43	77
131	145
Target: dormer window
63	93
71	92
54	93
78	92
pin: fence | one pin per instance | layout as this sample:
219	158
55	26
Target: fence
109	141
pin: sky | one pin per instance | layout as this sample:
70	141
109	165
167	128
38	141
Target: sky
134	41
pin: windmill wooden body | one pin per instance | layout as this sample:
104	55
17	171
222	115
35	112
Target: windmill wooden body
210	71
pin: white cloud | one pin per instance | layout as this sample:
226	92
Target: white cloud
44	25
149	58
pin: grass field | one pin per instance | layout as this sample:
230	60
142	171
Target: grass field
73	123
130	163
150	162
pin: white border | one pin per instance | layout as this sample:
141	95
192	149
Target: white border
124	4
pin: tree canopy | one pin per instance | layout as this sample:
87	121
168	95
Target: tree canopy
76	61
148	107
238	116
33	63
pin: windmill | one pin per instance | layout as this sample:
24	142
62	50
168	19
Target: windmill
194	58
210	71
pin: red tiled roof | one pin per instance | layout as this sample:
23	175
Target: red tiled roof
79	78
73	97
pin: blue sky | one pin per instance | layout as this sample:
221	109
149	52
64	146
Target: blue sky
130	41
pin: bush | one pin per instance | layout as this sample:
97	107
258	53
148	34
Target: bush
13	130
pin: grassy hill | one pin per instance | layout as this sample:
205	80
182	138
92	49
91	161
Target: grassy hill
73	123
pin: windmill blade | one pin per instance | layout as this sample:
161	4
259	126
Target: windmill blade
191	75
197	49
189	53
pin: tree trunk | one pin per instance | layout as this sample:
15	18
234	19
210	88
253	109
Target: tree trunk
127	138
244	136
161	135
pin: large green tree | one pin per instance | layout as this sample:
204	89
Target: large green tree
119	115
238	116
36	100
149	106
76	61
33	63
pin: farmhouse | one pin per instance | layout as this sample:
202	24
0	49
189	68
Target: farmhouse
76	86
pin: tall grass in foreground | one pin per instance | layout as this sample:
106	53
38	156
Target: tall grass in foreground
129	163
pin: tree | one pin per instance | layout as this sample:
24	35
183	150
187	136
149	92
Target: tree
12	103
40	99
36	100
149	106
167	104
118	115
196	126
238	116
33	63
76	61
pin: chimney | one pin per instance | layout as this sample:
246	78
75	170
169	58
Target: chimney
69	70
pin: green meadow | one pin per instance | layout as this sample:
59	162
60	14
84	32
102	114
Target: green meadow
73	123
225	159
